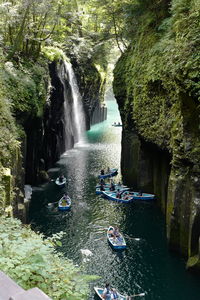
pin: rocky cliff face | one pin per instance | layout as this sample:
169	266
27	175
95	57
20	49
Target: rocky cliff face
92	89
53	133
47	135
42	106
156	89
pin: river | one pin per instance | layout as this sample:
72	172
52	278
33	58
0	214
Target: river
146	265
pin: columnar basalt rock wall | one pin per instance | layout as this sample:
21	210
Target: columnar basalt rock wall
144	167
43	110
46	135
92	89
51	134
155	87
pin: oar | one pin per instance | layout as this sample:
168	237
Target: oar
100	238
52	203
130	238
136	295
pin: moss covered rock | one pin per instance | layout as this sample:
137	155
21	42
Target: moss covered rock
157	88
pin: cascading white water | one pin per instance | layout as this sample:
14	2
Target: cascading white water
77	109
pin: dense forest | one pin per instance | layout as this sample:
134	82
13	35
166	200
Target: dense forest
156	85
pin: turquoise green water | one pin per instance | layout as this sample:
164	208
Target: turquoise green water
146	265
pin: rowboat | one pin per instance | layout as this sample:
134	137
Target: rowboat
142	196
107	188
113	172
117	243
64	203
61	183
99	292
126	197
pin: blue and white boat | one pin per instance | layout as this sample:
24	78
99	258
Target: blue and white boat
99	292
125	197
117	243
142	196
107	188
61	183
64	203
111	173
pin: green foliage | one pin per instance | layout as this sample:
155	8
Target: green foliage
8	131
32	261
161	72
25	87
26	25
53	53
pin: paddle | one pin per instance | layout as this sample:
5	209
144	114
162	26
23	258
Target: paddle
52	203
130	238
103	237
136	295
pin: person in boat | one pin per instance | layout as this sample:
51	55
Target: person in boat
107	293
126	197
119	123
118	194
102	181
102	172
115	295
115	232
112	186
61	178
65	199
102	187
140	193
108	170
125	194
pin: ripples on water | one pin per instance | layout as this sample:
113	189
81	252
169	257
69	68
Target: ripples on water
146	264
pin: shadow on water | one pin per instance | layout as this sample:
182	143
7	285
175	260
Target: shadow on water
146	265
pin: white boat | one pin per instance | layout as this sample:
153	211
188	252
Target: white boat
64	203
118	243
99	292
60	183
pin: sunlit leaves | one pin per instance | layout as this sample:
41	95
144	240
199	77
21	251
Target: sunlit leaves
32	261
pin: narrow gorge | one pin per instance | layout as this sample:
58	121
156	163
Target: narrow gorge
69	72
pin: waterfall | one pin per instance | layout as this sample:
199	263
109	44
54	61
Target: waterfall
78	116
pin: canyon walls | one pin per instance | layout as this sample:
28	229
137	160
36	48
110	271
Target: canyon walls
156	86
43	126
